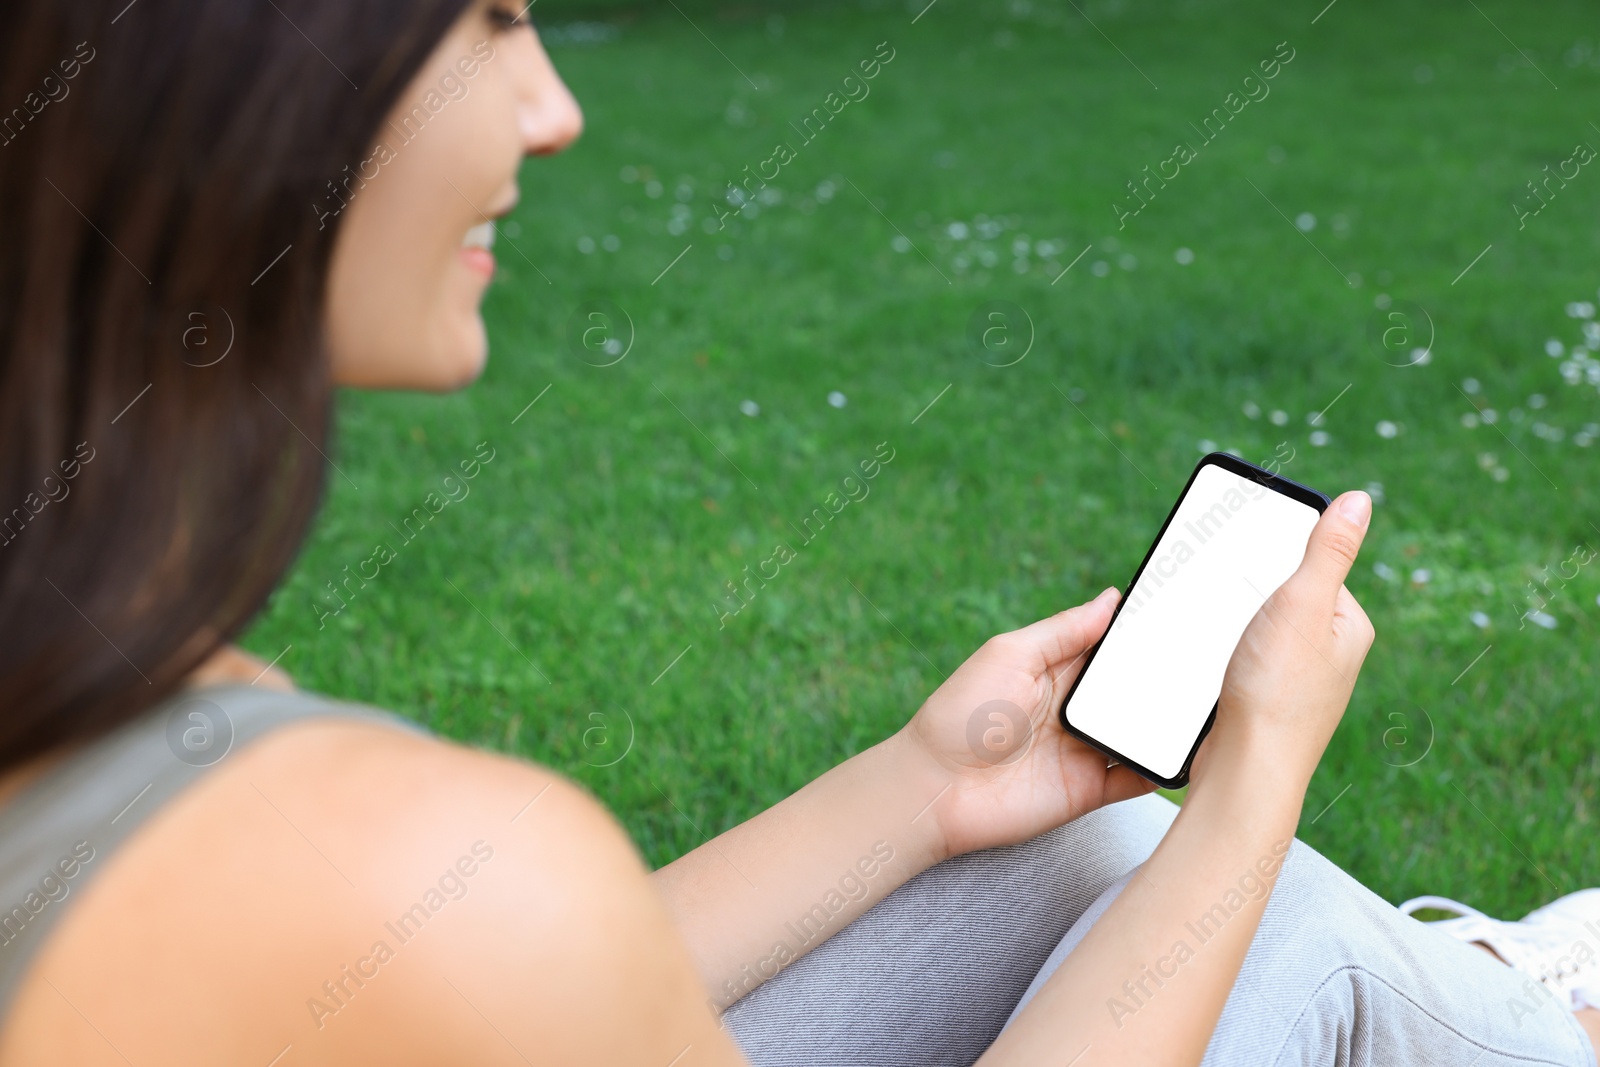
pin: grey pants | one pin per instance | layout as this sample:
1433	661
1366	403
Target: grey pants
1335	975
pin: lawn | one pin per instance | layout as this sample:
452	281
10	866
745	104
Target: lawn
703	373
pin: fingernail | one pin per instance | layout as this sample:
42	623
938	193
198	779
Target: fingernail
1357	507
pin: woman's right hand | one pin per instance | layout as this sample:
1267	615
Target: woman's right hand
1292	674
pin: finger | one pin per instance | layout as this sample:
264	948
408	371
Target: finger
1332	548
1066	635
1123	784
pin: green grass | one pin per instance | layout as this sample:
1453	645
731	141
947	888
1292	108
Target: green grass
594	548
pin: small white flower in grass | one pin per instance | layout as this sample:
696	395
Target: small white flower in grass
1487	460
1540	618
1279	418
586	245
653	190
1554	348
1480	620
837	399
1384	571
1206	446
1469	419
1387	429
675	226
750	408
1319	438
1305	222
1582	440
901	243
612	346
1021	247
1470	386
1537	400
957	230
1127	261
1488	416
1020	266
1421	576
1184	256
724	252
1100	268
1421	357
1375	491
1501	474
1252	410
1382	301
610	242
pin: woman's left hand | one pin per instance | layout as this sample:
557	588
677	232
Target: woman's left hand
1010	771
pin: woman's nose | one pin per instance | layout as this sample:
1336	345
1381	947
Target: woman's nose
548	115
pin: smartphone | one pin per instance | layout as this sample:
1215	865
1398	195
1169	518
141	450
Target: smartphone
1147	694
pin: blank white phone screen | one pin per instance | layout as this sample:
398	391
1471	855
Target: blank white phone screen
1151	686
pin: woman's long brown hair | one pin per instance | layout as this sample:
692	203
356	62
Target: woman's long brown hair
164	392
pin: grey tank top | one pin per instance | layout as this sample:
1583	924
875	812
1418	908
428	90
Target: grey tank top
60	830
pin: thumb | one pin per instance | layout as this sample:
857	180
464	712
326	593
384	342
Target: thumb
1066	635
1334	543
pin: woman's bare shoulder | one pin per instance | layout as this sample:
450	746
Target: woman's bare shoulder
343	891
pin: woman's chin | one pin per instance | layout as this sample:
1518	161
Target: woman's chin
462	364
475	356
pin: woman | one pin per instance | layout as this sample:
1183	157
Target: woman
204	865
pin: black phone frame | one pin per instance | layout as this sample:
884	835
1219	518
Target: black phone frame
1234	465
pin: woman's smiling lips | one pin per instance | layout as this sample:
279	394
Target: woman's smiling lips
479	240
475	247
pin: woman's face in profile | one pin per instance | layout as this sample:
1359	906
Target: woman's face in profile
410	263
